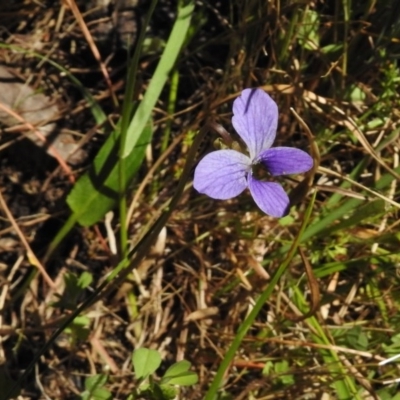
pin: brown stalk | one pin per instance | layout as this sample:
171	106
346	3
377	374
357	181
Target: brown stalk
40	135
149	175
359	185
96	54
31	255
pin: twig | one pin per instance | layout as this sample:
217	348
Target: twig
3	296
96	54
346	178
40	135
31	255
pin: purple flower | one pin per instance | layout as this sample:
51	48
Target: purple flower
224	174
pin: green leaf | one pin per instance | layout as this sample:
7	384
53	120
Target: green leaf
94	388
332	48
164	67
145	362
98	394
179	374
356	94
152	45
92	382
268	368
187	378
85	280
79	328
308	35
74	287
282	369
168	392
96	192
356	338
288	220
177	368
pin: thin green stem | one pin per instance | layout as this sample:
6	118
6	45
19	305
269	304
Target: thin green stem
125	120
123	231
167	131
141	249
173	92
248	322
346	12
288	37
61	234
345	386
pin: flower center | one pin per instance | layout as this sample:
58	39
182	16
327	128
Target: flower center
260	172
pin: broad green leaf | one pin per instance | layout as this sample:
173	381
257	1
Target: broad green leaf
102	394
96	192
282	369
145	362
268	368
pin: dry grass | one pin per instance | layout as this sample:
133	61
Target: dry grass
188	298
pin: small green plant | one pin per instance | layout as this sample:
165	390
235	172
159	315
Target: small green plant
79	328
146	362
308	35
74	287
94	389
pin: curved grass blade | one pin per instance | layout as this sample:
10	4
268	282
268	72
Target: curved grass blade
164	67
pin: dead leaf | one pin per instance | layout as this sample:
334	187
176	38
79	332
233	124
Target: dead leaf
37	109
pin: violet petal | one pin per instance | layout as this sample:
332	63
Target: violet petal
255	118
285	161
270	197
222	174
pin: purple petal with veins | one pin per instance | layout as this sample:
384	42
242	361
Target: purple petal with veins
255	118
270	197
222	174
285	161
